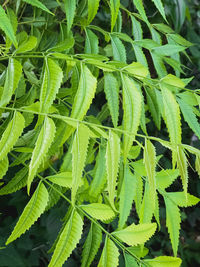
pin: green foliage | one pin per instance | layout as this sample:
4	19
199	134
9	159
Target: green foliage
91	85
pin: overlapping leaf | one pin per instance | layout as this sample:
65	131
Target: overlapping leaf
110	254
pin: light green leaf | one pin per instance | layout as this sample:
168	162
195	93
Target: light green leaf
4	164
79	153
150	166
153	105
168	49
140	7
11	134
91	42
163	28
119	51
164	261
136	234
63	45
16	183
147	208
114	8
70	9
27	45
85	93
6	26
33	210
13	75
91	245
63	179
93	6
166	177
132	106
182	166
110	254
42	145
68	240
50	85
172	82
197	164
159	5
130	261
180	199
112	164
127	194
172	119
111	88
179	40
189	117
99	211
137	69
99	179
38	4
173	221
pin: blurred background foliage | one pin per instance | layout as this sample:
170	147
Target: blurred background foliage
32	248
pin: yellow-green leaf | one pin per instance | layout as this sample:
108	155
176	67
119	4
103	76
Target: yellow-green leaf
110	254
112	164
164	261
63	179
114	8
136	234
33	210
99	211
68	240
42	145
11	134
93	6
79	153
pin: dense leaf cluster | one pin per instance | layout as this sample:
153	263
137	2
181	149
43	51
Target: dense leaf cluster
81	80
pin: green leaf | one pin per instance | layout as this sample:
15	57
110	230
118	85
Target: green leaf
150	166
38	4
63	179
33	210
114	8
91	245
79	153
6	26
147	208
166	177
189	117
111	88
93	6
168	49
132	106
110	254
159	5
172	119
172	82
42	145
27	45
173	221
99	179
112	164
13	75
136	234
130	261
137	69
180	199
119	51
4	164
153	105
11	134
164	261
50	85
183	168
70	9
85	93
99	211
140	7
91	42
63	45
68	240
127	194
16	183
